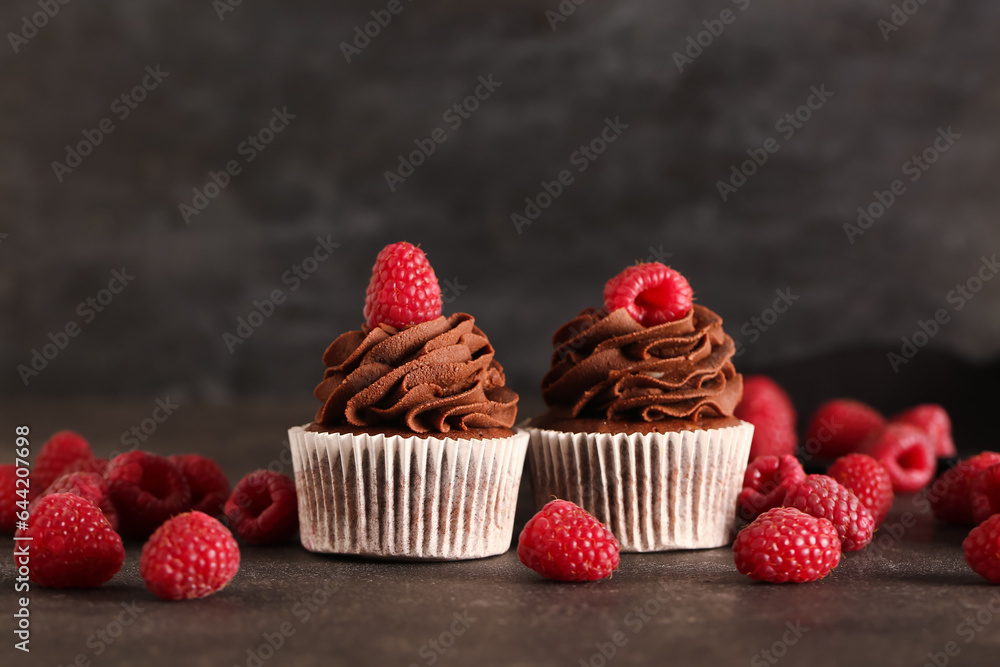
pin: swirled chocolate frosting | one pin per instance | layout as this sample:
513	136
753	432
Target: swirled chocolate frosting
608	367
437	376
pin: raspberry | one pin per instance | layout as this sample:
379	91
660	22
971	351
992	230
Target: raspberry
985	494
209	485
766	483
98	466
933	420
566	543
190	556
951	494
651	293
868	480
905	453
147	490
982	549
72	544
9	497
768	407
263	508
840	426
59	451
825	498
403	289
784	544
89	486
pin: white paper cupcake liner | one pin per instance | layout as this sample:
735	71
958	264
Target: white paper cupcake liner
406	497
656	492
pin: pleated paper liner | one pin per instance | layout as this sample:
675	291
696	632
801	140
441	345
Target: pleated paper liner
656	492
406	497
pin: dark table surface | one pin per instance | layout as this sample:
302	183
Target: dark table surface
909	599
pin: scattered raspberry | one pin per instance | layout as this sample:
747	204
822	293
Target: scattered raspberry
9	498
766	483
951	494
905	453
769	408
986	494
147	490
263	508
839	427
72	544
59	451
825	498
209	485
403	289
982	549
651	293
784	544
98	466
566	543
89	486
190	556
933	420
868	480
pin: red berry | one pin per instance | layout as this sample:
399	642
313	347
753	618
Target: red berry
839	427
868	480
209	485
905	453
72	544
951	494
263	508
147	490
825	498
769	408
97	466
784	544
59	451
567	543
651	293
986	494
933	420
982	549
89	486
9	497
403	289
766	483
189	556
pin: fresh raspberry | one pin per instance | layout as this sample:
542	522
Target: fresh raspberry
766	483
567	543
59	451
72	544
769	408
986	494
982	549
89	486
147	490
651	293
263	508
839	427
190	556
98	466
784	544
906	454
9	498
933	420
403	289
825	498
951	494
209	485
868	480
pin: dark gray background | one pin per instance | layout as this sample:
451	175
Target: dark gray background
654	188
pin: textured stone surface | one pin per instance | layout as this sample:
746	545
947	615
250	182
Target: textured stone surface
654	187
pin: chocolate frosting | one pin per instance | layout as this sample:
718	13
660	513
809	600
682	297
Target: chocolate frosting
436	376
608	366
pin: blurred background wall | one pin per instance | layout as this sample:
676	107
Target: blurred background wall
863	99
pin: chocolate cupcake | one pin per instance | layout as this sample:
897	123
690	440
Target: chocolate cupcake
411	454
640	429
